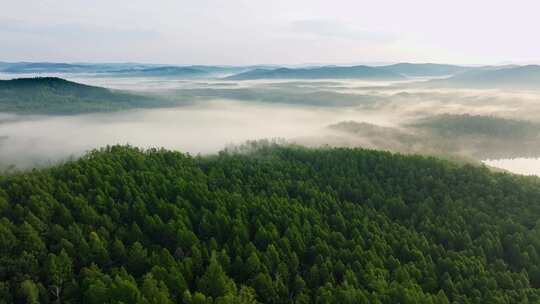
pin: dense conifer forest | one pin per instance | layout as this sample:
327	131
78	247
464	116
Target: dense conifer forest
270	225
469	125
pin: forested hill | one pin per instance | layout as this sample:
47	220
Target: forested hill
448	125
51	95
275	225
513	77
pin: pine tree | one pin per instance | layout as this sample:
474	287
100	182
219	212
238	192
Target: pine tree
215	282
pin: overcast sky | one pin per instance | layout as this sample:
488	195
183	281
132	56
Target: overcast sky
270	31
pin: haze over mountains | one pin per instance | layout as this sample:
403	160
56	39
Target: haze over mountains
52	67
424	69
121	69
354	72
527	77
508	76
405	92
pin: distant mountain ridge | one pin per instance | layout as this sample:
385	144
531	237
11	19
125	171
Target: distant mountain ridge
33	67
519	77
122	69
425	69
386	72
163	71
507	76
53	67
327	72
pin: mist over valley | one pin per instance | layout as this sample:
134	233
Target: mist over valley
205	115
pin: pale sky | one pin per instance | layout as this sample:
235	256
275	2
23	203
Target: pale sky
241	32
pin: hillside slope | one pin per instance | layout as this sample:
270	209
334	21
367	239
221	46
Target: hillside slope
448	125
51	95
518	77
472	137
270	225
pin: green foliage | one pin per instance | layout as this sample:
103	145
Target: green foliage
271	225
467	125
50	95
214	281
29	292
459	137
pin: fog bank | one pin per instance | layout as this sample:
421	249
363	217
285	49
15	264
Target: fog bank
212	114
521	165
27	141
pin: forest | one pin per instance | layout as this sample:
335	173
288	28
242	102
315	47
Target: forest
466	125
269	152
461	137
267	224
52	95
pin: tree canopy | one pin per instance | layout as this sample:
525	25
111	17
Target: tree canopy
52	95
272	225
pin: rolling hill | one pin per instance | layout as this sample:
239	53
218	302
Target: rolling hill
470	137
42	67
519	77
425	69
164	71
448	125
334	72
51	95
120	69
69	68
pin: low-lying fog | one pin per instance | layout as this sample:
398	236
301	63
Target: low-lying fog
204	128
221	113
521	165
